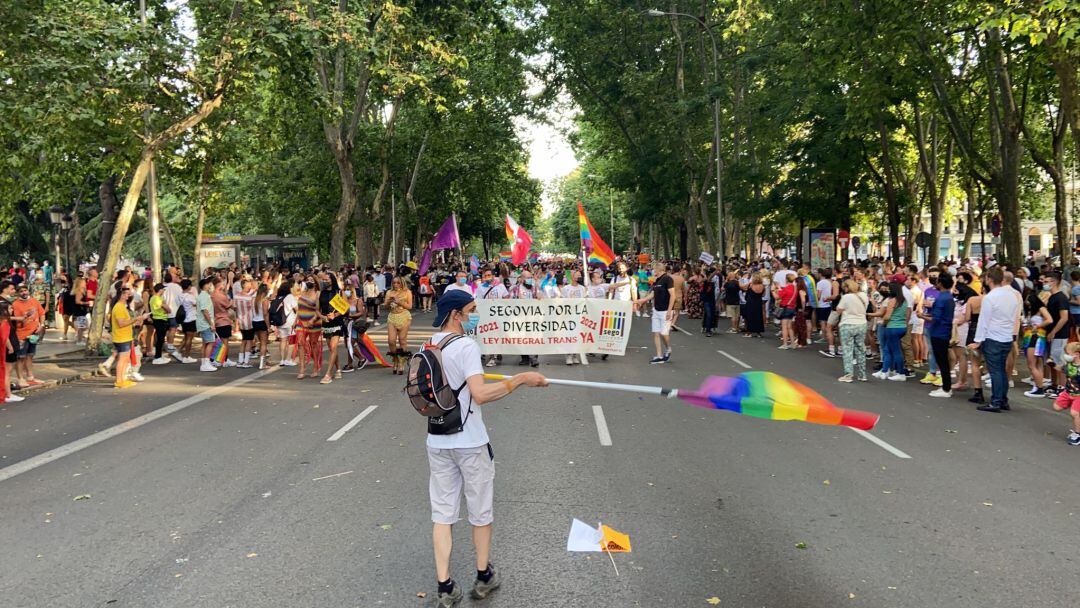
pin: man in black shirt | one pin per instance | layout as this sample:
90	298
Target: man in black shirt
660	295
1058	333
732	293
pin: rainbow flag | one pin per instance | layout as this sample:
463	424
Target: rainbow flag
595	246
767	395
372	354
218	353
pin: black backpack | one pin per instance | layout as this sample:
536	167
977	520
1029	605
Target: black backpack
277	311
429	393
181	315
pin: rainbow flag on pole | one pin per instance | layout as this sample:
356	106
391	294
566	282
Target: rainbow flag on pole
595	247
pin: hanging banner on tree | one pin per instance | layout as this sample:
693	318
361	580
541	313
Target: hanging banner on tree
553	327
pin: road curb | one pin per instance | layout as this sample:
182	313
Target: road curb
55	382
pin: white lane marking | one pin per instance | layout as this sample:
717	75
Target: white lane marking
329	476
745	366
888	447
682	330
349	425
601	425
81	444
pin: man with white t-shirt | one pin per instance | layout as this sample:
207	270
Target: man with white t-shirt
460	455
172	295
571	291
491	289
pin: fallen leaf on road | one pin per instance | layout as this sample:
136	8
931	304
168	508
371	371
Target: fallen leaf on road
886	492
82	497
253	555
851	596
421	594
826	482
267	494
949	431
386	527
800	545
178	575
713	600
988	504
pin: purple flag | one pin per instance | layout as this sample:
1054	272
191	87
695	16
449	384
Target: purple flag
447	236
425	261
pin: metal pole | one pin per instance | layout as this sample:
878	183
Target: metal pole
56	245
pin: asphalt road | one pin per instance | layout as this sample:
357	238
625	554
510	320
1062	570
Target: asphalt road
236	497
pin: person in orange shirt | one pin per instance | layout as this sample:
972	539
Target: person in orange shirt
29	317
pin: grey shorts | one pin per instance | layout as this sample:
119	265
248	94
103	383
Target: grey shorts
454	470
1057	352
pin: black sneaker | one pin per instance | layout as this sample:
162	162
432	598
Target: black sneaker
910	373
450	600
1050	392
827	353
1074	438
348	369
657	360
1036	392
667	356
977	398
481	589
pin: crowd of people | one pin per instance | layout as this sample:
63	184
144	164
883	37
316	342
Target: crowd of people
962	323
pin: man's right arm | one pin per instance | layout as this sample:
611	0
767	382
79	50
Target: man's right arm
486	392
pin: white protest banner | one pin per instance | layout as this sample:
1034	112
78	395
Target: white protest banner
706	257
553	327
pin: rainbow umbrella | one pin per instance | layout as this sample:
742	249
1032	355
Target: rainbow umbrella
757	394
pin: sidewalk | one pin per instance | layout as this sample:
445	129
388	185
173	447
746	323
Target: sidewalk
60	362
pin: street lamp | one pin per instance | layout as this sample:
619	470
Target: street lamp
652	12
56	218
66	224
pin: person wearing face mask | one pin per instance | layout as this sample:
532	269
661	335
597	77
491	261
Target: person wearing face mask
526	289
491	288
623	286
574	290
461	283
459	449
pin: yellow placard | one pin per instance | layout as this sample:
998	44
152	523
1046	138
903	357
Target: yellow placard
340	304
614	541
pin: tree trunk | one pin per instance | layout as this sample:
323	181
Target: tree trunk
1065	68
891	198
346	207
131	201
200	222
170	241
969	226
107	264
107	196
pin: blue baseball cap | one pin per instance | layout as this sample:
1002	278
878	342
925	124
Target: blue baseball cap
454	299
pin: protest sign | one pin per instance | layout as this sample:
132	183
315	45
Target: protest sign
553	327
706	257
